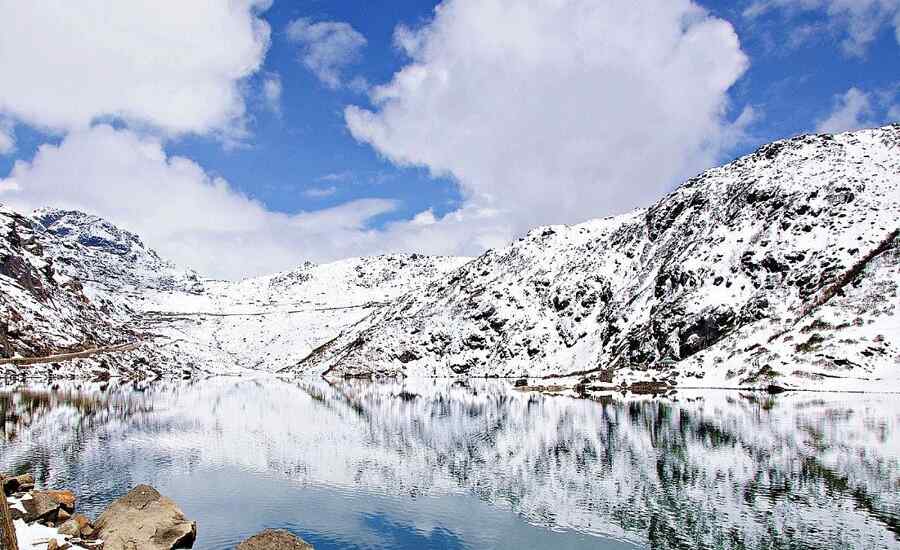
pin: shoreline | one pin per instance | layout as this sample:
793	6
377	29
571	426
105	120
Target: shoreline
142	519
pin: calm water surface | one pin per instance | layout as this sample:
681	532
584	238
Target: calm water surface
427	464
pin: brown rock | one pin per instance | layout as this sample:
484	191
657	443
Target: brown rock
40	507
66	499
145	520
52	545
62	516
23	482
74	526
271	539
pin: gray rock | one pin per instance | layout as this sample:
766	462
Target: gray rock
145	520
270	539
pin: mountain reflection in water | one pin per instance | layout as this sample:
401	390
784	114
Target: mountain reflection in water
437	464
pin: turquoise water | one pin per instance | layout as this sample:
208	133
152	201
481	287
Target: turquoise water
437	464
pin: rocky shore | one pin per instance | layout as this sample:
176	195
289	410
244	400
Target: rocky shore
143	519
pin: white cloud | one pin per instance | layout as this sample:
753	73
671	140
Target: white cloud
200	221
859	20
7	137
327	48
550	111
171	65
337	176
852	111
189	216
272	92
320	192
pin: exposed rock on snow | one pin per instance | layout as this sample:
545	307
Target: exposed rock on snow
780	268
43	519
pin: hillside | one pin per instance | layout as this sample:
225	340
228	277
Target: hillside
780	268
73	283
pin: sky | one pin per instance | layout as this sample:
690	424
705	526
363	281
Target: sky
245	137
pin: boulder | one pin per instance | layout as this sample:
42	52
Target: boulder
272	539
40	507
23	482
66	499
145	520
76	526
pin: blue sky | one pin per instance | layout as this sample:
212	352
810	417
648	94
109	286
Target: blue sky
298	155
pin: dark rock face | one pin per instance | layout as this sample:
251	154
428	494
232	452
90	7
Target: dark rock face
271	539
146	520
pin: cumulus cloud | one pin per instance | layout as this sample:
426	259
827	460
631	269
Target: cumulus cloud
556	111
859	20
852	111
327	48
190	216
201	221
169	65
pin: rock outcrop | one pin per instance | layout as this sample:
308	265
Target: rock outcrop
145	520
271	539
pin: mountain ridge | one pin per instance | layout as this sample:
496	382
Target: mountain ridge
623	300
777	269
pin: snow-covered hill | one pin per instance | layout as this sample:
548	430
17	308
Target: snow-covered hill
781	268
73	282
273	322
43	309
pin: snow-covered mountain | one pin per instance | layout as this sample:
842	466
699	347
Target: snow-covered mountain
780	268
73	282
43	310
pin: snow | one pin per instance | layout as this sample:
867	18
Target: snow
710	287
716	285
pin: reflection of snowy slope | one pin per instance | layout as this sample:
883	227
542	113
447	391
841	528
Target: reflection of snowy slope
779	268
724	468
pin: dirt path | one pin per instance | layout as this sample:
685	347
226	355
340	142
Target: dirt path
178	314
69	356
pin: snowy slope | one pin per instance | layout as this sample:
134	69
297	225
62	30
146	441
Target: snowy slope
89	284
42	309
273	322
780	268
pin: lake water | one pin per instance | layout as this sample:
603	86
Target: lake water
437	464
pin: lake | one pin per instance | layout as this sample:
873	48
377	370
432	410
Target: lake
444	464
